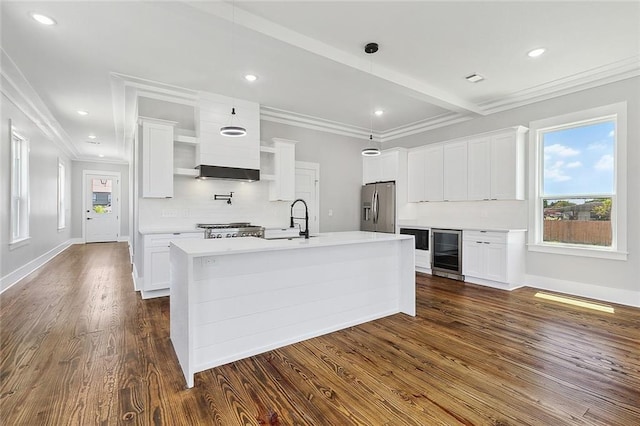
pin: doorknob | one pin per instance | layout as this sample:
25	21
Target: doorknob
88	211
89	218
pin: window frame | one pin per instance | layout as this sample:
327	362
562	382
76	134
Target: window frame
618	249
62	182
20	198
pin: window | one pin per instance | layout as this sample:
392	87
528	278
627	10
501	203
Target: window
61	195
19	188
578	186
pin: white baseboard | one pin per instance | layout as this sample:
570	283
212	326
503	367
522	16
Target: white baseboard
607	294
137	280
13	277
151	294
76	240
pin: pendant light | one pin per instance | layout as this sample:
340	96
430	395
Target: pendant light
372	150
231	130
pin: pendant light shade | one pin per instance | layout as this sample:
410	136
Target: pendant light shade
233	131
370	152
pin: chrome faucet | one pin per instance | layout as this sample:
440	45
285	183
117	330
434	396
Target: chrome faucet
306	218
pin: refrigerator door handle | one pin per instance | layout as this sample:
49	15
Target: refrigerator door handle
374	207
377	211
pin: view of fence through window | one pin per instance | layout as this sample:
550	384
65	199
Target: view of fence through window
578	183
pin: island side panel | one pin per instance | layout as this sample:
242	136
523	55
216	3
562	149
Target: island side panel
180	271
249	303
407	272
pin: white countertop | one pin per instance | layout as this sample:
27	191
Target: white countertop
223	246
170	230
421	225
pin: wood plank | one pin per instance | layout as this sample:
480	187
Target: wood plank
79	346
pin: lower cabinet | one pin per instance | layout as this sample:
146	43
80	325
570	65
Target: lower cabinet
423	260
155	279
493	258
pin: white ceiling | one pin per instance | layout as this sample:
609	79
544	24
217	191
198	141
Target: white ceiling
310	61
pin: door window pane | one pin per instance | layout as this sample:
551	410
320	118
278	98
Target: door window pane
101	198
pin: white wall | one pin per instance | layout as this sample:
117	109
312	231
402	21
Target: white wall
340	162
605	279
46	239
76	192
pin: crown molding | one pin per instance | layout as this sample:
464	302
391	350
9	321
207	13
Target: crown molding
314	123
18	90
610	73
100	160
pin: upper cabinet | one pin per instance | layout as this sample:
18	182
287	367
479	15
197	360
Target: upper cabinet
485	167
213	112
455	171
425	169
157	158
496	166
507	165
382	168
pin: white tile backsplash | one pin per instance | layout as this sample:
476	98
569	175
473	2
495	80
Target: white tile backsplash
193	203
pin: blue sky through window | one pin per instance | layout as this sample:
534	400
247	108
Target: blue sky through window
579	160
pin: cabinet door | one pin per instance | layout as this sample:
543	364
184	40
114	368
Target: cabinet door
433	173
472	258
371	169
479	169
495	261
415	176
157	160
388	167
156	271
455	171
507	167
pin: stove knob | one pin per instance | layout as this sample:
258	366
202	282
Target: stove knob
228	236
219	236
234	234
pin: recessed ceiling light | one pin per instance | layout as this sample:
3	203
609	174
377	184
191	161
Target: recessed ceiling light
250	77
100	155
378	112
43	19
92	136
474	78
82	112
536	52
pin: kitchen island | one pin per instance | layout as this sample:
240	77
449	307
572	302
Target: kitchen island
238	297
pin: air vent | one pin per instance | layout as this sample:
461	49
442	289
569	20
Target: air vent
474	78
93	142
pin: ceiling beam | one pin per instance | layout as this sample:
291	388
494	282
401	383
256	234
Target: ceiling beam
419	89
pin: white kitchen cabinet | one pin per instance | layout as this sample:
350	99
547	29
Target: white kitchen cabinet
283	185
157	158
433	173
507	165
493	258
455	171
479	169
416	175
155	279
213	112
382	168
425	174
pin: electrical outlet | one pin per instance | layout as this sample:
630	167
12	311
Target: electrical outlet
330	212
210	261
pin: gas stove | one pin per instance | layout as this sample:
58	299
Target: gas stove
231	230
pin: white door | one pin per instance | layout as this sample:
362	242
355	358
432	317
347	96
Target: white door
101	207
307	188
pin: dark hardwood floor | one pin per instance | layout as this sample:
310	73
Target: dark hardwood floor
80	347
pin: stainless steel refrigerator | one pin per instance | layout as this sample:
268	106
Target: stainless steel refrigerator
378	207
